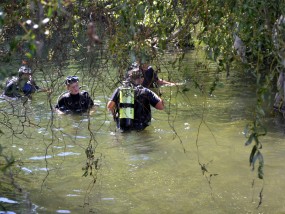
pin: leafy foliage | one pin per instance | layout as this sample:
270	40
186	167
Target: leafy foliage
255	131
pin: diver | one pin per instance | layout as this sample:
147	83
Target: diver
131	103
151	79
23	85
74	100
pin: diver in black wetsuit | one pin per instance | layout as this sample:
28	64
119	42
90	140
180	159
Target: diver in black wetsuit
23	85
74	101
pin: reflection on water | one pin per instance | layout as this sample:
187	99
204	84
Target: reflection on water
157	170
6	200
40	157
63	211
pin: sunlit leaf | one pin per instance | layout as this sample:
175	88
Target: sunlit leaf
50	11
46	20
29	55
32	47
85	174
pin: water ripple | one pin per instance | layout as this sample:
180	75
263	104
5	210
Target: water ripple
67	153
40	157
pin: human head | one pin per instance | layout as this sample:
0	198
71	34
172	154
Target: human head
135	75
134	65
72	84
143	64
24	72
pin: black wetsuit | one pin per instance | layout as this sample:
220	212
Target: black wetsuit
78	103
12	88
150	78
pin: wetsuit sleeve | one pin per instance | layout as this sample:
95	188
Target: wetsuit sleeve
89	99
153	97
10	89
61	104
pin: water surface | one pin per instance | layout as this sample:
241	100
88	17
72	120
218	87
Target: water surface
157	170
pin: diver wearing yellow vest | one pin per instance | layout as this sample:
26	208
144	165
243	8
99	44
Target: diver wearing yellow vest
130	103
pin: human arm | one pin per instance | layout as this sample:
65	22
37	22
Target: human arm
155	100
59	111
151	78
90	105
164	82
60	107
111	105
159	105
44	90
89	100
37	88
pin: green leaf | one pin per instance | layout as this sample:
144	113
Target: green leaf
50	11
260	168
249	141
255	157
185	89
253	151
85	173
29	55
260	172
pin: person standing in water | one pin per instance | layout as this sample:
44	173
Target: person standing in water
74	101
131	103
23	85
151	79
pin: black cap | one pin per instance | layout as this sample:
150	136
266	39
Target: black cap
135	74
71	79
24	70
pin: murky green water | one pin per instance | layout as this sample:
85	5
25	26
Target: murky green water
154	171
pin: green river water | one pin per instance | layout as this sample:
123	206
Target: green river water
154	171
